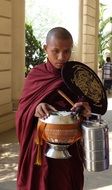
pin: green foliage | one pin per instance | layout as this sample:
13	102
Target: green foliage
104	38
34	53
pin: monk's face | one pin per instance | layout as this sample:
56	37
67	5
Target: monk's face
58	51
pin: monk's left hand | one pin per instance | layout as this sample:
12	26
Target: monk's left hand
86	108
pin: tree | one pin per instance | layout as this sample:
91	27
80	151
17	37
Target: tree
104	37
34	53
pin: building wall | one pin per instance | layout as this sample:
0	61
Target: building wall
11	54
90	24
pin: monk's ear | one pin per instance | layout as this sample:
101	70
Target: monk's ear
45	48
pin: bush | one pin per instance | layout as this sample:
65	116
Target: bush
34	53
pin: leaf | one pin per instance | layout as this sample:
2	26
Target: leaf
34	53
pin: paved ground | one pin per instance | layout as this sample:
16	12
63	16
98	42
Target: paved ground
8	160
9	157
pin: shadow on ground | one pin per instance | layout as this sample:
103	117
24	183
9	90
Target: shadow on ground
8	160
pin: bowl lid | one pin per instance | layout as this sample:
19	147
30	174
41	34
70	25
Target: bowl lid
85	83
60	117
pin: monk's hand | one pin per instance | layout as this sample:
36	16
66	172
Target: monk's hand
86	109
43	110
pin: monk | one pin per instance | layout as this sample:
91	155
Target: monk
39	98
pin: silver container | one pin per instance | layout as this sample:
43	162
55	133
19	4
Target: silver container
96	166
96	145
94	155
58	151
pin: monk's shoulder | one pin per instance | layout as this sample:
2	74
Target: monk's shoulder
37	68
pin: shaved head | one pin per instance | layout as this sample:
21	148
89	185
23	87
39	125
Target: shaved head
58	46
59	33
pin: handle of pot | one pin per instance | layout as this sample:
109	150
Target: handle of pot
98	116
106	145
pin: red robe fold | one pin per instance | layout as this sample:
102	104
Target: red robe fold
40	86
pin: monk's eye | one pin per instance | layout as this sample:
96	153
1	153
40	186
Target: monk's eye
67	51
55	51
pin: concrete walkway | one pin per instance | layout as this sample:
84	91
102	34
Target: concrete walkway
9	158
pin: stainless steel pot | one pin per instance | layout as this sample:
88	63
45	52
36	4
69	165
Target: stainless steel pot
96	145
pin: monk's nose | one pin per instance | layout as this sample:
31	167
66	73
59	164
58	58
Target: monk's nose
60	57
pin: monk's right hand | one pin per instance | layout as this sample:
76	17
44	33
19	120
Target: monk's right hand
43	110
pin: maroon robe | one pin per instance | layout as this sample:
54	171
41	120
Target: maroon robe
54	174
